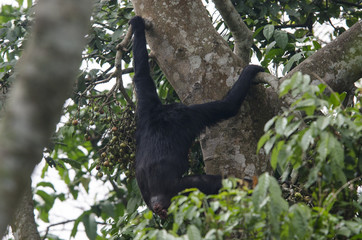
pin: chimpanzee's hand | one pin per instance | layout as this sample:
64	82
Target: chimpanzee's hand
137	23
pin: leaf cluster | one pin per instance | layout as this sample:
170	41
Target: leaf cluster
237	213
284	30
14	27
320	140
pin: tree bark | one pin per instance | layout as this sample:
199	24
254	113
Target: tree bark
24	226
44	79
201	67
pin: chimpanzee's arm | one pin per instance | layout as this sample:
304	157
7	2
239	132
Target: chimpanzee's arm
210	113
145	88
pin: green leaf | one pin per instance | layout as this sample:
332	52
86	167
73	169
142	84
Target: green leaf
283	157
48	204
280	125
269	123
334	99
163	235
329	201
337	99
132	204
263	140
85	182
285	87
277	207
323	122
307	139
294	59
338	173
275	154
313	175
316	45
268	31
292	83
291	128
269	144
305	103
20	2
72	162
46	184
261	189
270	47
257	31
75	226
108	208
337	152
193	233
300	33
90	225
281	38
323	148
299	224
309	110
48	199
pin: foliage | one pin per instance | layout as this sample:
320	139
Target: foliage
242	214
321	140
284	30
317	137
14	22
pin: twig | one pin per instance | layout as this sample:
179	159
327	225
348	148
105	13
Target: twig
56	224
343	187
121	47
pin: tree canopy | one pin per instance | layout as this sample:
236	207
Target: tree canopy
298	138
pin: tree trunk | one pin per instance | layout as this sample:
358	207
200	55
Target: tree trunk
24	226
201	67
45	74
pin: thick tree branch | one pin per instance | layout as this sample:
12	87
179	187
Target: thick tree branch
241	33
45	75
338	63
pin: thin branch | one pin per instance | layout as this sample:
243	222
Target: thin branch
291	26
343	187
118	73
62	223
239	30
126	40
56	224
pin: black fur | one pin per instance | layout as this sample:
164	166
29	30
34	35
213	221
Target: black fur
165	132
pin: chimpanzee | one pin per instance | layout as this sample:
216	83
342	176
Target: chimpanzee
165	132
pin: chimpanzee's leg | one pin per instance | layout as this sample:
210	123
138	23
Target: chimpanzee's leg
208	184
